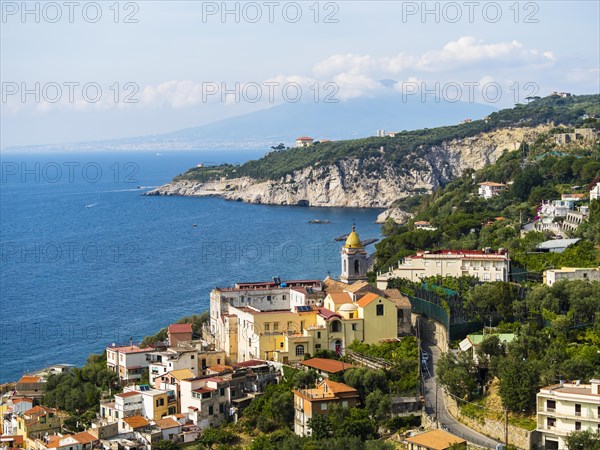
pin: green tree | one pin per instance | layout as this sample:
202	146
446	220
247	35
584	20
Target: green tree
320	426
519	383
457	375
165	445
583	440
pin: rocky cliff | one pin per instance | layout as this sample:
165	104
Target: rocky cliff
371	182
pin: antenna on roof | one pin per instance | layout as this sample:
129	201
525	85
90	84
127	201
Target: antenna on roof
131	341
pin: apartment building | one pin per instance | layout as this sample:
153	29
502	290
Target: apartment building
486	265
310	402
566	408
128	362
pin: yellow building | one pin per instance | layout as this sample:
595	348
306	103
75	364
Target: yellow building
286	320
37	421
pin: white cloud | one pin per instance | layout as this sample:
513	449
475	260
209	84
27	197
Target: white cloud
464	52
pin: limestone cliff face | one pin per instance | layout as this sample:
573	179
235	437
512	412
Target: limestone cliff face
364	182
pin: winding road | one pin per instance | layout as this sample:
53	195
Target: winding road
434	399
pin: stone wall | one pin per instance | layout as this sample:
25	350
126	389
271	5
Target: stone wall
432	327
518	437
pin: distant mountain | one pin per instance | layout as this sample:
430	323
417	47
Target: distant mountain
349	119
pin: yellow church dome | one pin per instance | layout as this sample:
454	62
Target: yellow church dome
353	241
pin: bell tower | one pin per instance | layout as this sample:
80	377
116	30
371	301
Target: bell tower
354	259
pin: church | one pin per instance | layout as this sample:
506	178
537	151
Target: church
284	320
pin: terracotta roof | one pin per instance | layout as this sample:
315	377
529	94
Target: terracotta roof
492	184
203	390
220	368
366	299
422	222
396	296
327	314
339	298
167	423
21	400
304	138
29	379
39	410
84	437
131	349
357	286
136	421
326	365
180	328
128	394
16	439
332	285
436	439
181	374
337	388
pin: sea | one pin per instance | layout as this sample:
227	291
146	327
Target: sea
87	260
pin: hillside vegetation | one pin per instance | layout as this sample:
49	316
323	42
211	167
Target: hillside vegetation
407	145
466	221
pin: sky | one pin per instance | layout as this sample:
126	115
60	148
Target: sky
81	71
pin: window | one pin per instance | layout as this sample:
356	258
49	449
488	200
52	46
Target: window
275	326
267	326
210	410
233	393
354	327
323	406
351	315
438	264
356	267
380	310
344	403
551	422
550	405
218	360
192	357
577	410
317	346
221	408
116	414
486	277
268	298
318	335
299	350
336	326
206	395
400	314
577	426
283	297
222	392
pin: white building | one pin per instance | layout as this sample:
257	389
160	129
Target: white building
556	208
424	225
566	408
489	189
595	192
161	362
304	141
485	265
571	273
128	362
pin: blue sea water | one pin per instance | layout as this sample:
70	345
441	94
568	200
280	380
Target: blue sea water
87	260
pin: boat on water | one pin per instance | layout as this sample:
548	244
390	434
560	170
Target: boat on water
319	221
